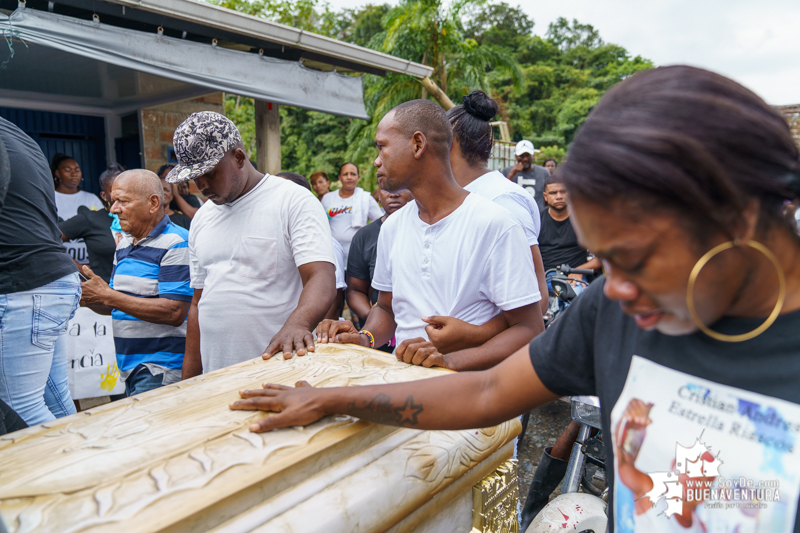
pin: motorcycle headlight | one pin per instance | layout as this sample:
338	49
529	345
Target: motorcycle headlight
586	410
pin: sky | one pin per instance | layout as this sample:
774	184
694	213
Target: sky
755	42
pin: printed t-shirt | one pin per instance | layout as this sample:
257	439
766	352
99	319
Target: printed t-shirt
559	244
364	253
470	265
156	267
67	205
499	189
719	412
532	181
347	215
94	228
245	256
31	251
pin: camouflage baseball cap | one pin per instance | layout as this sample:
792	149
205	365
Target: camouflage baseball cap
200	142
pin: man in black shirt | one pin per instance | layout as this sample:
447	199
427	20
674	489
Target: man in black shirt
557	240
39	287
363	253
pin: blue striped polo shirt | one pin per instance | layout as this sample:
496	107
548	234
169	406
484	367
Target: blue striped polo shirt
156	267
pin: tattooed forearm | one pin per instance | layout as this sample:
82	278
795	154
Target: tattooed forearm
381	410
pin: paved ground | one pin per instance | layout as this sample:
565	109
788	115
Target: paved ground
545	425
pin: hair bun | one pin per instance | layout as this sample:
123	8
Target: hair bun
479	105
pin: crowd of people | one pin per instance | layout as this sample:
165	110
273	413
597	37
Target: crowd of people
448	268
256	265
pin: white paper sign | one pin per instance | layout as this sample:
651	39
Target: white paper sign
698	456
92	358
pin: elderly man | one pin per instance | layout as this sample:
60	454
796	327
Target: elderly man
262	262
149	294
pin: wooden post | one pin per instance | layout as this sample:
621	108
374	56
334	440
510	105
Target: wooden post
437	93
268	137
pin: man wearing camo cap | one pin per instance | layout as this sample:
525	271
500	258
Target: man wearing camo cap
260	253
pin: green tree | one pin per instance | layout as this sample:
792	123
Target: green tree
546	86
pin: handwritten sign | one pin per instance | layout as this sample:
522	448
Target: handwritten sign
92	358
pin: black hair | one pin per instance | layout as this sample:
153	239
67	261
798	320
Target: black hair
549	159
687	140
108	176
358	171
471	128
56	161
428	118
295	177
552	179
162	168
318	173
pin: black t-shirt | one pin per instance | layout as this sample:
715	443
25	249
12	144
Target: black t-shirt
738	400
191	199
31	251
559	244
363	254
94	227
179	219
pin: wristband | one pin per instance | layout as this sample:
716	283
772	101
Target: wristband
370	337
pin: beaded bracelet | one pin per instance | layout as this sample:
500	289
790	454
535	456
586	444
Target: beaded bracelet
369	336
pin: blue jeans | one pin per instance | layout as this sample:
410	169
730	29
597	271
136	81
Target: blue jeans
33	349
142	380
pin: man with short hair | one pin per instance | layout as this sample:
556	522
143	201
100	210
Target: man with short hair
149	294
262	262
557	240
449	252
529	176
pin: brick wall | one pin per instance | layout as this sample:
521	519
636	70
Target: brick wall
159	123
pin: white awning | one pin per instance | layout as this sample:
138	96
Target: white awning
195	64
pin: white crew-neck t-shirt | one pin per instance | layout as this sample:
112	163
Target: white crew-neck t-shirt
470	265
67	206
342	210
245	256
502	191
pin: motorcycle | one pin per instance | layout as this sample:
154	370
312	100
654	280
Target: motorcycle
584	512
562	291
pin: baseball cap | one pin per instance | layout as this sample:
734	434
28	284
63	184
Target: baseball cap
525	147
200	142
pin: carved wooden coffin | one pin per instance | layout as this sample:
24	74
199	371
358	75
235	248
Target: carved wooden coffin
178	460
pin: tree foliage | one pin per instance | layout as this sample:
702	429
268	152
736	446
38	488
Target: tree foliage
546	85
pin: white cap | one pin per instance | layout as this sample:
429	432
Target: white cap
525	147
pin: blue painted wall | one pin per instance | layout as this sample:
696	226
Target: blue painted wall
79	136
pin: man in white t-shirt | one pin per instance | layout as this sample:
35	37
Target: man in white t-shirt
449	253
260	253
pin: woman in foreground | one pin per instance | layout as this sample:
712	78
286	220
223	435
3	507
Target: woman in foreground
681	183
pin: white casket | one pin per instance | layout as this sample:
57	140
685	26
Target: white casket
178	460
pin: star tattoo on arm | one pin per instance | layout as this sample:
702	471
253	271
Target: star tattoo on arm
381	410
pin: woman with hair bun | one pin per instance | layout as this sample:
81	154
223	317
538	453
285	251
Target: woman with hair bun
469	158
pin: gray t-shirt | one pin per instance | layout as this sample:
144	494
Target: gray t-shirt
738	400
532	181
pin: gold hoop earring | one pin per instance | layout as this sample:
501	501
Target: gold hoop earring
770	319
